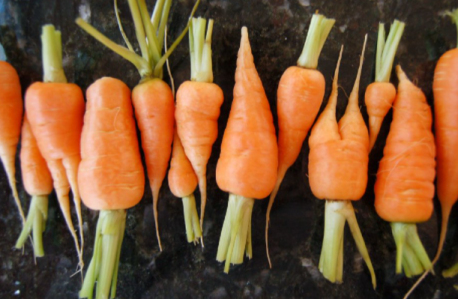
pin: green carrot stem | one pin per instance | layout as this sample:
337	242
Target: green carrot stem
121	29
154	48
163	23
139	28
387	50
157	13
454	15
204	68
52	55
191	219
451	272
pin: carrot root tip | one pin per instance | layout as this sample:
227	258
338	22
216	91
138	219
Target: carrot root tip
104	265
235	237
191	219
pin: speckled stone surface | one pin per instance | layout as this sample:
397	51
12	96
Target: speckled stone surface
277	31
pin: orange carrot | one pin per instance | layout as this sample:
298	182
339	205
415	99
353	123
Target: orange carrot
55	111
198	106
247	166
152	98
111	177
37	182
11	110
404	188
299	97
381	93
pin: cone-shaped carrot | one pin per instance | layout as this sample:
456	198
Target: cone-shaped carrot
198	106
247	166
338	162
110	177
299	97
152	98
37	182
55	111
381	93
11	110
182	183
404	189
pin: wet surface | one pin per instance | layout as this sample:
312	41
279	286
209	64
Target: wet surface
277	31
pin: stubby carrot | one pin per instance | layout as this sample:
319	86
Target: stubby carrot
338	162
11	110
381	93
55	111
247	166
37	182
152	98
198	106
299	97
404	188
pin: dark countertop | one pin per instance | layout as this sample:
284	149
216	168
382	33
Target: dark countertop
277	31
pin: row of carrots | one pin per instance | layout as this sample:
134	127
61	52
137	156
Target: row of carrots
92	148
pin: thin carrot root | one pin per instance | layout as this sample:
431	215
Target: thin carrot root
410	253
235	237
203	199
156	220
104	265
8	163
36	223
191	219
337	213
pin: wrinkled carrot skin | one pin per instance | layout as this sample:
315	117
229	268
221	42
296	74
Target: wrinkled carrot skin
379	99
111	174
248	162
182	178
36	177
404	188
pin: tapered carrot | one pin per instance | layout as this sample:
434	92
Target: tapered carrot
37	182
55	111
404	188
110	177
338	162
381	93
198	106
299	97
152	99
11	110
247	166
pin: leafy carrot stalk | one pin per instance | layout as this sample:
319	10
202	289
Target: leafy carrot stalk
182	183
110	177
37	182
338	162
249	157
404	188
11	110
381	93
299	97
198	106
152	99
55	112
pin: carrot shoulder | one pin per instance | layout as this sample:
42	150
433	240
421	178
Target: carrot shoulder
248	161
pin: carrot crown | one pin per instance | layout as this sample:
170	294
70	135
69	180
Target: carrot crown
386	49
149	33
51	42
454	15
200	50
320	26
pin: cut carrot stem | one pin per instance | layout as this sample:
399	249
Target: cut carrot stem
191	219
451	271
387	50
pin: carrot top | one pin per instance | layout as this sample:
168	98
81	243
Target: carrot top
320	26
149	33
454	15
200	50
386	49
52	55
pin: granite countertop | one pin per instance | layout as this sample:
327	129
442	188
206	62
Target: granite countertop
277	31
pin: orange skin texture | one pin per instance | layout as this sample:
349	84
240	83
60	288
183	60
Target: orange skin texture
111	173
379	99
182	178
248	162
36	177
404	188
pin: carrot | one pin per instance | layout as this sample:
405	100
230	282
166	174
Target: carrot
299	97
37	182
182	183
380	94
55	111
404	188
110	177
247	166
198	106
11	110
152	99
